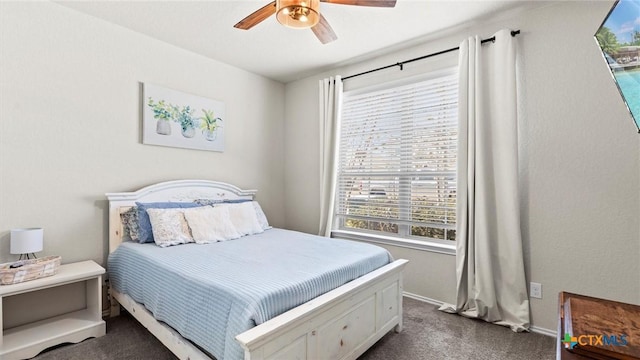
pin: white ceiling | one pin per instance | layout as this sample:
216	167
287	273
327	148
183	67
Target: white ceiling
277	52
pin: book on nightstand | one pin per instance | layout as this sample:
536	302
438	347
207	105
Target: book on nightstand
603	329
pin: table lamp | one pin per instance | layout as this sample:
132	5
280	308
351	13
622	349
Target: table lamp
26	241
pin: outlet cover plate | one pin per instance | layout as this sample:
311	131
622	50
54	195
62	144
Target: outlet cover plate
535	290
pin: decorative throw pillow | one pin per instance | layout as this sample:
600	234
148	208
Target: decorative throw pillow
262	218
145	234
129	220
244	219
210	224
169	227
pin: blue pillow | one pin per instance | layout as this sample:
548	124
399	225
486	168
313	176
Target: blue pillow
236	201
145	234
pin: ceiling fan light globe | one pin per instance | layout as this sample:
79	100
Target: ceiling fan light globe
298	14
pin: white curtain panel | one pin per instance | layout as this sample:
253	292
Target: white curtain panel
491	282
330	102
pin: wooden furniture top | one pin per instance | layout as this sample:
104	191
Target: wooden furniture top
67	273
591	319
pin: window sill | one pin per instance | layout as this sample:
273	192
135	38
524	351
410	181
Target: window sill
388	240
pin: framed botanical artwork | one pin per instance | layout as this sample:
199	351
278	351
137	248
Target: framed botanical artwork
177	119
619	40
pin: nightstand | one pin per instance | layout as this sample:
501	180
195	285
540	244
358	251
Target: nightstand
74	292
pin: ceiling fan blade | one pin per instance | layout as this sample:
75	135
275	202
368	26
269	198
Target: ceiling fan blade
257	17
374	3
323	31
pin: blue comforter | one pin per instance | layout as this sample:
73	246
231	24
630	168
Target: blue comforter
211	293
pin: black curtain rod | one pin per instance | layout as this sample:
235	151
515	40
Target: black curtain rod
401	64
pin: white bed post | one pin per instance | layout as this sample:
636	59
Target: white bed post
398	328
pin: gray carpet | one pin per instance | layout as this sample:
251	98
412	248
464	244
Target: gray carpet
428	334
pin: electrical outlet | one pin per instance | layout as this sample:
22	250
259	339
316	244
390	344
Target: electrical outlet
535	290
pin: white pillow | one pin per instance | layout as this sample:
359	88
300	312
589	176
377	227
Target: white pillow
169	227
262	218
244	217
210	224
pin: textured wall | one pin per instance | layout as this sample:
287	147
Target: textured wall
70	125
579	157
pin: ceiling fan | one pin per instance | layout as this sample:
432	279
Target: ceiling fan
304	14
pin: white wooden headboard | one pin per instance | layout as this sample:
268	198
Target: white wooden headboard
169	191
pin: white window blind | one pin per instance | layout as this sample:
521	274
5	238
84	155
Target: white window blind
397	160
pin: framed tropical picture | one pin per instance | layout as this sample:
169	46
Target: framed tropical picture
177	119
619	40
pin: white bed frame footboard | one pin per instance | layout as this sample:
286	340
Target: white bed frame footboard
340	324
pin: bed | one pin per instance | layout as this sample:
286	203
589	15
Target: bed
336	314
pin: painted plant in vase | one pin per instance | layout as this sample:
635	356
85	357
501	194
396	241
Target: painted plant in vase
166	109
209	124
161	112
184	117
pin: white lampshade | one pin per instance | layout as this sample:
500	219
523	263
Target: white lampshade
26	241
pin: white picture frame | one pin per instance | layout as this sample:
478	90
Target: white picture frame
177	119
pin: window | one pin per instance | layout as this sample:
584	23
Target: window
397	160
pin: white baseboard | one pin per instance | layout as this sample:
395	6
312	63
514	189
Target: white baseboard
534	329
543	331
422	298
